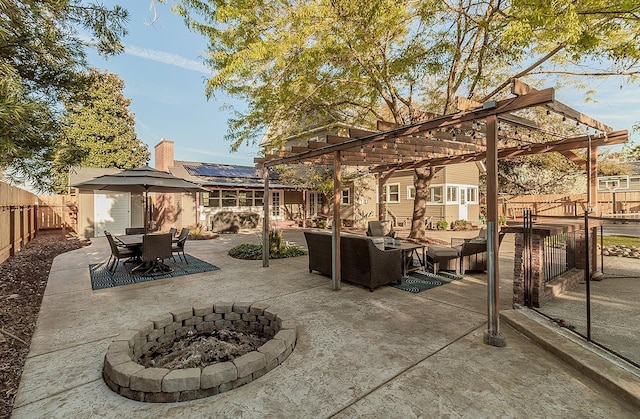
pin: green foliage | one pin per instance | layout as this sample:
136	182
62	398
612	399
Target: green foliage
254	252
309	63
502	220
541	174
98	130
246	251
621	241
442	225
42	62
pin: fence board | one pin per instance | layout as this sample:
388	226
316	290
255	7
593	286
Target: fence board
22	214
569	205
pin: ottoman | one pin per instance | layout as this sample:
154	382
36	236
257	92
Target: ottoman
442	256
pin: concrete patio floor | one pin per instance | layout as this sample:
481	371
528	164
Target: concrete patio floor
383	354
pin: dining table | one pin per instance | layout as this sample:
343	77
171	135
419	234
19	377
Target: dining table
134	242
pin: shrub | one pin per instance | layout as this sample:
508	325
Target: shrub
460	225
442	225
197	232
254	252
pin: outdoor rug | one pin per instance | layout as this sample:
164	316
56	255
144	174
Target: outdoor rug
102	278
416	282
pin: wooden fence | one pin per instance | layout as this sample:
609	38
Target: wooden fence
609	203
23	214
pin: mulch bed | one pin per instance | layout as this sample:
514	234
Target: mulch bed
23	279
201	350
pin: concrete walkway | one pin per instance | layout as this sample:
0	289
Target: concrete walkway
359	354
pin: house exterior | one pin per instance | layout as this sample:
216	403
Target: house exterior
233	189
453	193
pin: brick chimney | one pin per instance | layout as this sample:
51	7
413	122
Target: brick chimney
164	155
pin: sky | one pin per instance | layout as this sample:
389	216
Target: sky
165	78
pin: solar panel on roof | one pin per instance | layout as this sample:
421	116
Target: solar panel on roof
222	171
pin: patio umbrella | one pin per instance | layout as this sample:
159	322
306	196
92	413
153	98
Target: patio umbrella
141	179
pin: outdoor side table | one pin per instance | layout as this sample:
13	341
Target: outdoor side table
409	251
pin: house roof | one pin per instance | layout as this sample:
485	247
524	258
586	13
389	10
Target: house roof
223	175
634	167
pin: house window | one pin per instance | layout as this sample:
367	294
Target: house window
411	192
472	195
452	194
245	198
346	197
229	198
211	199
435	195
232	198
275	204
393	193
258	198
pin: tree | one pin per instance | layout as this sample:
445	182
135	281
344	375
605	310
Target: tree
358	61
98	130
42	62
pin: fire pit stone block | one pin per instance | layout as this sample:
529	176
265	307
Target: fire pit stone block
125	376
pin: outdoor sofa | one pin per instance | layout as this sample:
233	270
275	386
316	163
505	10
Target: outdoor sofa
361	261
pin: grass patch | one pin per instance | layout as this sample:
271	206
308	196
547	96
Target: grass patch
621	241
254	252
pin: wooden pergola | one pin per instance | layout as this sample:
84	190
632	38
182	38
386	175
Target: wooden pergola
477	132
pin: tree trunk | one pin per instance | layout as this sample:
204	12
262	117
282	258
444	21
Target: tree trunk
422	182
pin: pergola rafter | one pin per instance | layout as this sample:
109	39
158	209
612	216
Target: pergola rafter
488	131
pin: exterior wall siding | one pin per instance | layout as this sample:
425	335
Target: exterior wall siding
463	173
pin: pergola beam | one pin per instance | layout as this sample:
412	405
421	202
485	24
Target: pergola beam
537	98
520	88
616	137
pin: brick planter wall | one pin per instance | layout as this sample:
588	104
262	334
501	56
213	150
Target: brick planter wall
541	292
124	375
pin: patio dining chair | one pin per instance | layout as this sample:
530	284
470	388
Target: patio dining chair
117	253
178	247
378	228
173	231
155	249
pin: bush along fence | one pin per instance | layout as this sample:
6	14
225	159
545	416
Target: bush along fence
23	214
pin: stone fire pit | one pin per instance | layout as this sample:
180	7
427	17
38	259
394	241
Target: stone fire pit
124	374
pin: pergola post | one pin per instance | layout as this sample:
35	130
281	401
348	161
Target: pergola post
592	197
335	242
382	204
265	219
592	174
493	336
